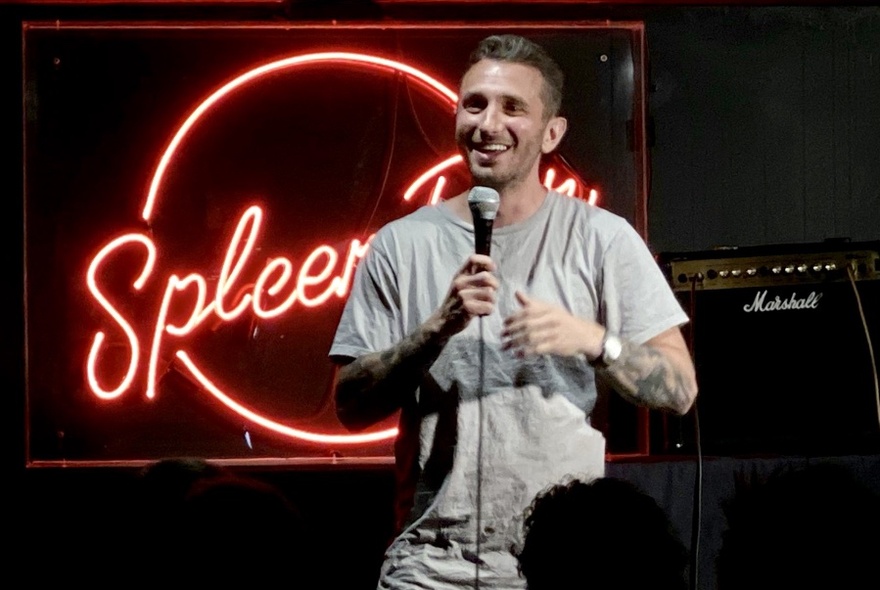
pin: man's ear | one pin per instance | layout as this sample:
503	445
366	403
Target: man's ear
553	134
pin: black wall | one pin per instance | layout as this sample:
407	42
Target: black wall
767	122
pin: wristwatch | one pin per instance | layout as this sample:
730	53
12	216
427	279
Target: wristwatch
611	349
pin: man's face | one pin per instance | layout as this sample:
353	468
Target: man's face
500	125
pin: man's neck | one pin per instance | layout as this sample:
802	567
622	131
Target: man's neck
519	203
516	204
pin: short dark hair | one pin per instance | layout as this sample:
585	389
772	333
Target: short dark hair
517	49
604	531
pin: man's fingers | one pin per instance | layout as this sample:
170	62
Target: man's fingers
477	294
522	298
477	263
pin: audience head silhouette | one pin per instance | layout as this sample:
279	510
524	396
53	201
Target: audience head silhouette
202	519
600	534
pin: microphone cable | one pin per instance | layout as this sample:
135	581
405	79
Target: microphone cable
479	499
697	513
850	273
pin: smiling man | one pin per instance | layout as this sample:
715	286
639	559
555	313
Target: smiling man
493	361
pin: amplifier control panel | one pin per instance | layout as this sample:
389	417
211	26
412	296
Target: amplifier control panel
731	272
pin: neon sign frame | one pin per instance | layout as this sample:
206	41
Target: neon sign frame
230	300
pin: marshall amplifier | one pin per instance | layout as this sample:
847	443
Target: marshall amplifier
785	340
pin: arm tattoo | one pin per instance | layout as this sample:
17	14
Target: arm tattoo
645	377
375	385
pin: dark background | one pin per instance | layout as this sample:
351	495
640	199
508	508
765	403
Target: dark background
765	126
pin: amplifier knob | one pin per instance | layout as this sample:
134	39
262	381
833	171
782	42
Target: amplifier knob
830	266
736	272
751	271
802	268
723	273
776	270
789	269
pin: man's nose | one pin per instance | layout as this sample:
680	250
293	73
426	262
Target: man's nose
492	120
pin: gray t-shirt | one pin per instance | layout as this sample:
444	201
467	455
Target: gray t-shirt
534	412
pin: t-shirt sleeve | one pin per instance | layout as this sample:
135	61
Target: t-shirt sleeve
637	299
370	319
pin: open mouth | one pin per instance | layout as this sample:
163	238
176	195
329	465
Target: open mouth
490	148
489	151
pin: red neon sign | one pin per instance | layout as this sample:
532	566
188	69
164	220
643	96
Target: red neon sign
277	287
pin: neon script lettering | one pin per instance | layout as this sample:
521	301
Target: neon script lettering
274	292
187	301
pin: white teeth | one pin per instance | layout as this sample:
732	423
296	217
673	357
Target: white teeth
493	147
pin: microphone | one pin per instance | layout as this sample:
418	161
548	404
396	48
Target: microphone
483	202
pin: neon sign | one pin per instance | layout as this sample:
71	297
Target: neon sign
187	302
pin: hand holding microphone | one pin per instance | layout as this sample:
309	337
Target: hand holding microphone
472	292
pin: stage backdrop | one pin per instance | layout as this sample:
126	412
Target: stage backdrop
198	196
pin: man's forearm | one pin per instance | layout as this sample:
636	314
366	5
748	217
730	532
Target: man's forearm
645	376
373	386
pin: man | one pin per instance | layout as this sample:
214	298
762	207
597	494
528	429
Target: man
492	360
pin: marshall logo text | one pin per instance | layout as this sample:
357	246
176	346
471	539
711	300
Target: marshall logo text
811	301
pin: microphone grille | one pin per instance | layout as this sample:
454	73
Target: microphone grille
484	202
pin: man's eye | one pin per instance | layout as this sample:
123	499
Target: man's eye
474	104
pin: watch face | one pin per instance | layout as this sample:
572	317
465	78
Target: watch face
611	349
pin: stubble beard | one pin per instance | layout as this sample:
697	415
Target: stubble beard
499	180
